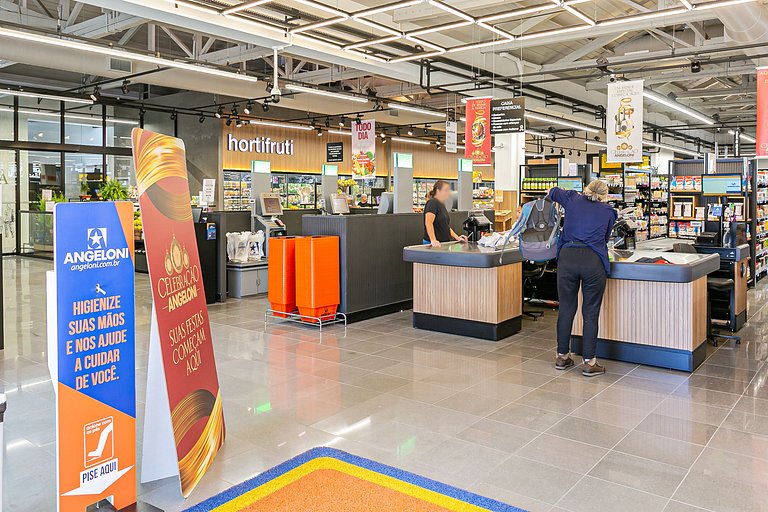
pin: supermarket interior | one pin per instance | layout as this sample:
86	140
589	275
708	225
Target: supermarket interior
384	255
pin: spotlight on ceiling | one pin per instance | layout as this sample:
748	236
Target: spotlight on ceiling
248	108
96	94
234	110
219	113
327	122
319	132
202	118
410	131
358	120
342	121
265	106
229	121
695	66
174	115
124	87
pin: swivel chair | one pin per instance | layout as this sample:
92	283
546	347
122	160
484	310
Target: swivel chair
532	272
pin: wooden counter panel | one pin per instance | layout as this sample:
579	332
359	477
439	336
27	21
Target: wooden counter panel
669	315
490	295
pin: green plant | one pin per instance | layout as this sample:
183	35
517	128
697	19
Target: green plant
40	203
113	190
85	189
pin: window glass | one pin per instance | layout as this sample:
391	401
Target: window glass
82	126
120	168
6	118
83	174
39	120
120	122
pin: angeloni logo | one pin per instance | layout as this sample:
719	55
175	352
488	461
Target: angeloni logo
96	250
260	145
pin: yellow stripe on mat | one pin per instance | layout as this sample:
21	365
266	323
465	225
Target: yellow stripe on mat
415	491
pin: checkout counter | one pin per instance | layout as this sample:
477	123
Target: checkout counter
467	289
654	313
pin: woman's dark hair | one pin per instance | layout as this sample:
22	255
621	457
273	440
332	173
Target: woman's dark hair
439	184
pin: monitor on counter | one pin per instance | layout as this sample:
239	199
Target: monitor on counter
721	185
386	203
269	204
375	194
197	213
571	183
339	204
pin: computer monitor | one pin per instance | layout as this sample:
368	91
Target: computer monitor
197	212
269	204
386	203
571	183
721	185
339	204
375	194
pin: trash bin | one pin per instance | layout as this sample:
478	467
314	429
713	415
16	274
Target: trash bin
281	274
317	277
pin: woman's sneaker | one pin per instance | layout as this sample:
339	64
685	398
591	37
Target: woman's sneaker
563	363
592	370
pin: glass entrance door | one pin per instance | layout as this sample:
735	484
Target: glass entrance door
8	207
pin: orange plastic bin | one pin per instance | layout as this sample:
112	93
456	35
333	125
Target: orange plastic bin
317	276
281	274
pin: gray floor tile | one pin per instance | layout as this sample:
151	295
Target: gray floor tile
587	431
562	453
527	417
498	435
533	479
643	474
593	494
660	448
676	428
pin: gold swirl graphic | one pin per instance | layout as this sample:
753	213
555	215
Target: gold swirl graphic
195	406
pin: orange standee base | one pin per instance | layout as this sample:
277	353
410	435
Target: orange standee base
317	276
281	274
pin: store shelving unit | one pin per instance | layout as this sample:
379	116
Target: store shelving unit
297	191
482	195
761	222
237	190
421	186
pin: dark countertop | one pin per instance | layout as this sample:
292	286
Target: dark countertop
684	268
457	254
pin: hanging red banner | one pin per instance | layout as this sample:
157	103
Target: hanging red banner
761	148
477	131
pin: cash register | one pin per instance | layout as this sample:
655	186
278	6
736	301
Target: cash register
476	225
266	217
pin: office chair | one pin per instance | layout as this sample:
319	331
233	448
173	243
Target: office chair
532	272
714	284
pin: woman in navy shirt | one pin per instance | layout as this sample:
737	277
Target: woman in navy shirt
582	264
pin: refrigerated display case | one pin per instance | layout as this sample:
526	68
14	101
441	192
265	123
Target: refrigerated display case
298	191
237	190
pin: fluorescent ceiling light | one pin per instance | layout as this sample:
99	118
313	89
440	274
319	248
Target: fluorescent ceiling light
669	102
438	28
717	5
743	136
416	110
121	54
417	56
474	46
412	141
244	6
495	30
452	10
371	56
281	125
330	94
643	17
318	24
93	119
596	143
317	40
385	8
688	5
464	100
537	134
424	43
670	148
323	7
562	122
379	26
583	17
371	42
340	132
25	94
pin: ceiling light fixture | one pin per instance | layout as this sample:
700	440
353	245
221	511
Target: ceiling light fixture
412	141
452	10
688	5
496	30
474	46
281	125
562	122
669	102
340	132
318	24
122	54
25	94
248	108
330	94
596	143
417	56
220	112
537	134
124	87
371	42
743	136
322	7
410	131
202	118
583	17
416	110
439	28
96	94
243	6
671	148
318	40
553	32
385	8
379	26
425	44
95	120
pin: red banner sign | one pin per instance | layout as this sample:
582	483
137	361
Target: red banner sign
477	131
761	147
184	332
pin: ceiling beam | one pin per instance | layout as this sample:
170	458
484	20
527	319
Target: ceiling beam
591	46
110	22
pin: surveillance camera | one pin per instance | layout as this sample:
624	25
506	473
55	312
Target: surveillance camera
611	78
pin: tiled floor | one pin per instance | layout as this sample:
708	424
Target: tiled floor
494	418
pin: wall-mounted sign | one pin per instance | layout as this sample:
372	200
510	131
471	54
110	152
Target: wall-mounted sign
260	145
330	170
334	152
761	147
465	165
364	149
261	166
184	417
451	137
402	160
92	343
624	122
508	115
477	131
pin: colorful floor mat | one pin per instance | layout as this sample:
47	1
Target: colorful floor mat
329	480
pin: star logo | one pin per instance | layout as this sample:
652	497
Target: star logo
97	238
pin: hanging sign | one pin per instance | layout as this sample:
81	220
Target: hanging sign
508	115
91	341
334	152
624	125
364	149
477	131
184	420
761	147
451	136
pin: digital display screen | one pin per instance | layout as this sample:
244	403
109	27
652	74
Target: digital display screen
721	184
339	204
270	205
571	184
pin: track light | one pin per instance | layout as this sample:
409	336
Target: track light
124	87
410	131
234	110
229	121
265	106
342	121
358	120
174	115
327	122
319	132
397	132
239	123
426	130
96	94
313	123
219	112
202	118
695	67
248	108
